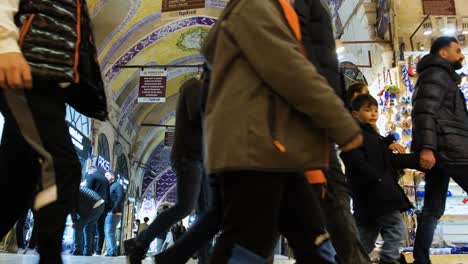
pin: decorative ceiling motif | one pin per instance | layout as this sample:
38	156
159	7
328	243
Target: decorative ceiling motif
155	36
140	36
192	40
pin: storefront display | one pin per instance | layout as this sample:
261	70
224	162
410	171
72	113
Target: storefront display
395	119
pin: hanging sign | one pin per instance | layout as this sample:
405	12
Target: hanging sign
80	141
439	7
169	137
152	87
179	5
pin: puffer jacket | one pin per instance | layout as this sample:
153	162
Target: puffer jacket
57	41
440	116
319	41
88	199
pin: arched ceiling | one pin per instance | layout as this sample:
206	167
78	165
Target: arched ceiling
135	32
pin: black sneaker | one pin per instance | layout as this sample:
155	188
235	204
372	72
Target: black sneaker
134	251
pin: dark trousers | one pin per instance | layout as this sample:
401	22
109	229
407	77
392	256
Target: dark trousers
20	237
83	231
392	228
199	236
189	178
100	232
340	221
38	163
257	206
437	182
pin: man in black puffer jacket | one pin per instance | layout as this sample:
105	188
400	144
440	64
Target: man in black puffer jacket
440	134
319	43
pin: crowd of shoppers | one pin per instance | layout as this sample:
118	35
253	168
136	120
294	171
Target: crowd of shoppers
256	143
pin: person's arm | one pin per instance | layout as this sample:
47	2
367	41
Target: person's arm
356	159
119	199
406	161
91	181
275	55
427	101
14	70
192	99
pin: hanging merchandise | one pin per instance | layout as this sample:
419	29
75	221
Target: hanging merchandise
412	71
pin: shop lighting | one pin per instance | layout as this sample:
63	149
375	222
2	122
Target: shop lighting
427	29
421	46
340	50
465	28
449	31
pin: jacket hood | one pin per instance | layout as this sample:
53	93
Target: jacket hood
431	60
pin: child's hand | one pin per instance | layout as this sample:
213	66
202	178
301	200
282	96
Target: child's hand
398	148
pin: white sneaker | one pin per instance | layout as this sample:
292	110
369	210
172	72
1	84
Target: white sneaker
31	252
96	255
21	251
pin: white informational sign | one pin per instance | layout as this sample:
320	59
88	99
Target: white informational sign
152	87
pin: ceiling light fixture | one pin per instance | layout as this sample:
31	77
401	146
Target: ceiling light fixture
427	29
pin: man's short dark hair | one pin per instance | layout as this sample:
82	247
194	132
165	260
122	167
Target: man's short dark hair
441	43
356	87
111	172
363	100
146	219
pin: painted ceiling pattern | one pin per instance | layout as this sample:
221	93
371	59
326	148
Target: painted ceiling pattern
141	35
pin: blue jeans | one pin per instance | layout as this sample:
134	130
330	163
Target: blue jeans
392	229
86	223
112	221
437	182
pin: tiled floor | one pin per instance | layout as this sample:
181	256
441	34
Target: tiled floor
28	259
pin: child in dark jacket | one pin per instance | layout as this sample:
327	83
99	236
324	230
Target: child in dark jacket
378	199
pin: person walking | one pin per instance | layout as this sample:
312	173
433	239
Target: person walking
114	215
267	122
186	157
440	125
97	182
143	225
37	79
378	199
90	208
319	43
